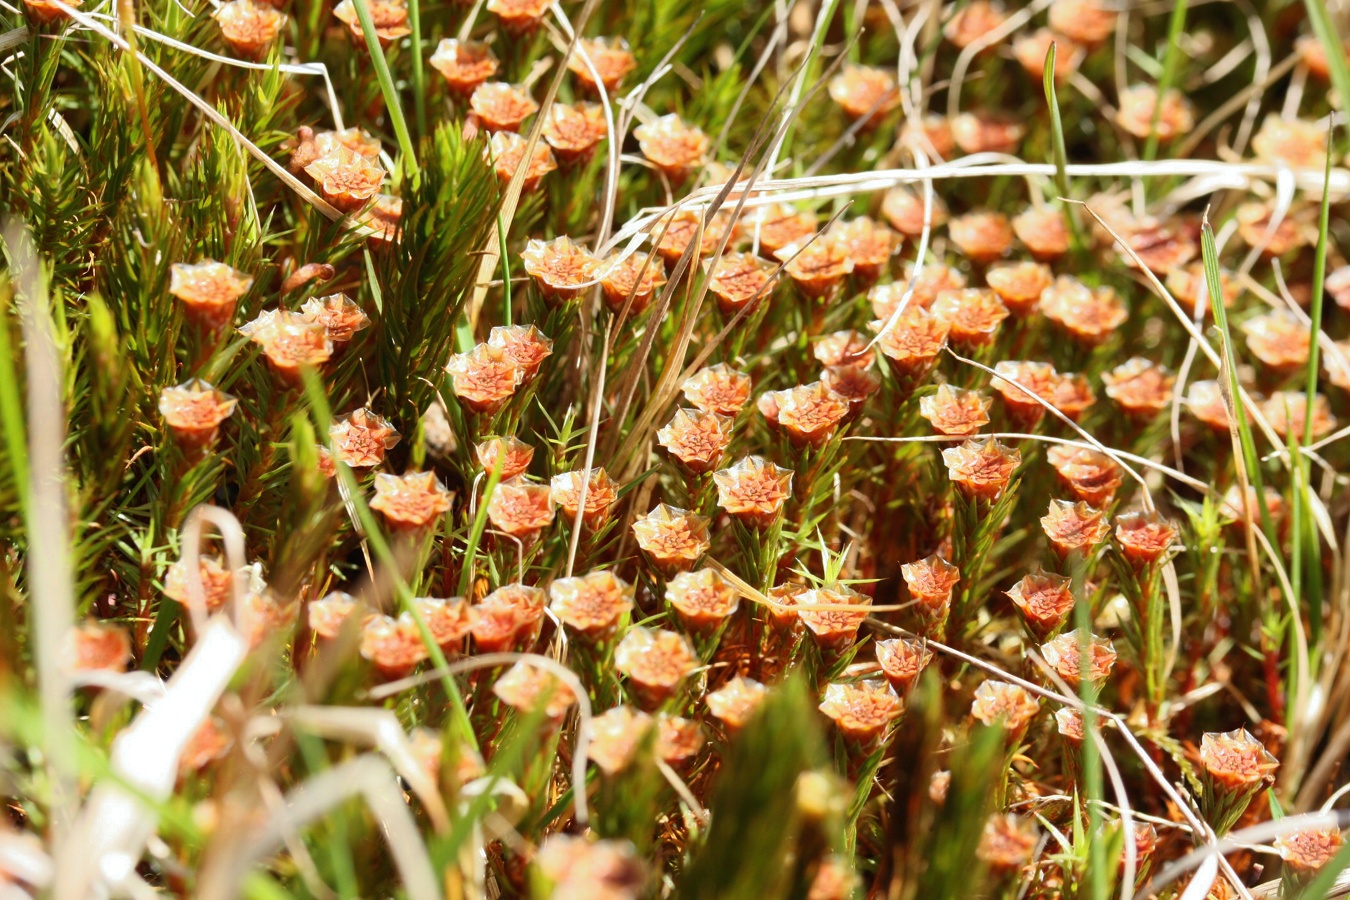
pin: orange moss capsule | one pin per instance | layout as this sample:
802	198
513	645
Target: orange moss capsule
738	280
696	439
862	711
954	411
833	629
974	21
1019	285
1310	850
675	231
521	508
638	275
655	661
1019	383
1141	388
1007	843
672	538
194	411
1043	231
672	146
678	740
94	646
1001	703
1088	316
702	600
217	584
983	236
357	140
410	501
534	689
44	12
735	702
208	290
390	18
902	661
975	315
1188	286
1064	654
843	348
1254	227
524	345
289	341
1279	339
1030	50
753	490
517	605
819	268
615	737
912	343
393	646
852	384
1089	475
506	149
1069	725
1287	412
484	378
383	217
520	17
561	269
1144	537
932	134
1205	401
1297	143
574	131
1236	762
903	207
341	316
1072	395
601	493
345	179
988	132
1071	527
1045	600
208	743
1138	104
930	581
511	455
464	64
361	438
776	225
584	867
865	91
591	605
501	106
810	413
249	27
1088	22
719	389
929	283
868	243
981	468
610	58
327	615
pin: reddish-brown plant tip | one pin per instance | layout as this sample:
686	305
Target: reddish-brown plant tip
356	140
1309	851
1019	383
506	149
843	348
1007	843
346	179
464	64
591	605
502	107
868	243
696	439
672	538
678	740
636	275
1045	600
862	711
561	269
341	316
1071	526
865	91
1205	401
983	236
702	600
1001	703
1030	50
507	457
608	58
1144	537
217	582
902	661
208	743
45	12
1069	725
1043	231
911	343
209	291
1278	339
984	131
975	315
1236	762
510	616
809	414
446	619
249	28
410	501
1287	412
1139	105
675	231
817	268
615	737
383	217
579	867
928	282
484	378
930	582
521	508
1187	284
672	146
95	646
1088	22
524	345
194	411
753	490
1019	285
735	702
519	17
329	613
600	491
738	280
655	662
1297	143
720	389
1141	388
781	610
361	438
833	614
575	130
393	645
904	209
1089	475
290	341
1064	654
390	18
533	689
973	22
774	226
1088	316
930	133
852	384
1258	227
981	468
1072	395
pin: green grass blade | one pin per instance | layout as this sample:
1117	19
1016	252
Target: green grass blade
1169	72
387	87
